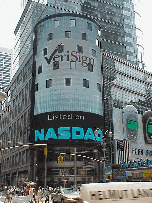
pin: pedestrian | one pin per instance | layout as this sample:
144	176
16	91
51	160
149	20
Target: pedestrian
42	195
27	194
39	194
31	195
47	196
34	195
8	196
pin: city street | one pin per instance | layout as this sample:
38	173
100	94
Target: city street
22	199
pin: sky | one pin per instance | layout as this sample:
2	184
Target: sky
10	12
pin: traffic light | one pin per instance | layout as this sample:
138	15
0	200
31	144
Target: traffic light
45	151
59	160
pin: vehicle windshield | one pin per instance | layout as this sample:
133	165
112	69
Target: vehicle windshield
69	191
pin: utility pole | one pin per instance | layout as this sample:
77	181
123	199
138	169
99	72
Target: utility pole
45	154
104	171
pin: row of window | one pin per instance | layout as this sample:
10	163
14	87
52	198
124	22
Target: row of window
72	66
68	82
72	23
61	49
67	35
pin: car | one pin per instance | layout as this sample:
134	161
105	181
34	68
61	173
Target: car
66	195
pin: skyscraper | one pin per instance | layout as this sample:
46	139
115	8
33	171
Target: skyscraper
5	67
116	18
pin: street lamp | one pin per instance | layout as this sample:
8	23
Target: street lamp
17	173
64	181
104	150
110	136
75	180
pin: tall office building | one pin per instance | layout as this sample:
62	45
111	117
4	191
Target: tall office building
116	18
5	67
46	85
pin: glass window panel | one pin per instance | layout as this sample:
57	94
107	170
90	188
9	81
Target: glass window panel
86	83
50	36
72	64
67	81
90	67
99	87
48	83
45	51
89	26
56	23
73	22
40	69
93	52
60	48
36	87
80	49
55	65
84	36
67	34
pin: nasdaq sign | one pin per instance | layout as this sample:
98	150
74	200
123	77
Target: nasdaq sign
69	133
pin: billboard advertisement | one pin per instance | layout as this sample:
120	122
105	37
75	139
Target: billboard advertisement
67	81
68	128
131	122
147	127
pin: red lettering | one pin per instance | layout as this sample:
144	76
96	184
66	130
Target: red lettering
84	63
92	61
74	56
79	58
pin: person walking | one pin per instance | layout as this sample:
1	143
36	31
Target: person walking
39	194
31	195
8	195
27	194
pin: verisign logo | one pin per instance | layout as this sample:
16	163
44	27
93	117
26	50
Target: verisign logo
70	56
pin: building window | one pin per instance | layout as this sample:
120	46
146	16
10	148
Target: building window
136	151
84	36
86	83
60	48
48	83
97	42
93	52
67	34
56	23
67	81
139	151
36	87
80	49
40	69
146	152
89	26
98	87
50	36
90	67
73	22
45	51
72	65
55	65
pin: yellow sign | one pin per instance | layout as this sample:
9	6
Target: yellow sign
45	151
147	174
